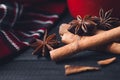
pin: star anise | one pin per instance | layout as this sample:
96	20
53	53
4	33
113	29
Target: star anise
83	26
107	22
46	45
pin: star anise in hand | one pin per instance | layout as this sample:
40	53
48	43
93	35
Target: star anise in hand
46	45
83	26
105	21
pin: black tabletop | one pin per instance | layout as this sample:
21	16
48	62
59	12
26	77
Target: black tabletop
29	67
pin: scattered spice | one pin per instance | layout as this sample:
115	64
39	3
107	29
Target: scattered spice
106	61
82	26
43	46
70	69
85	43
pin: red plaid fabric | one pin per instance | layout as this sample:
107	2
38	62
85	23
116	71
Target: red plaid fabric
23	20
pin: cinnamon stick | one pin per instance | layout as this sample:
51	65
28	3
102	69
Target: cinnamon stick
85	43
69	69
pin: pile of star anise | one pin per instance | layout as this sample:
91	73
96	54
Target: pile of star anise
89	24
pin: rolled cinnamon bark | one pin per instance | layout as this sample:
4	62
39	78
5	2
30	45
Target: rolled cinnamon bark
85	43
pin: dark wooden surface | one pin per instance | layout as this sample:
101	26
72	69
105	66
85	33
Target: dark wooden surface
29	67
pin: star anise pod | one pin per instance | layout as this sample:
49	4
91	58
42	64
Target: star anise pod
83	26
45	45
107	22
